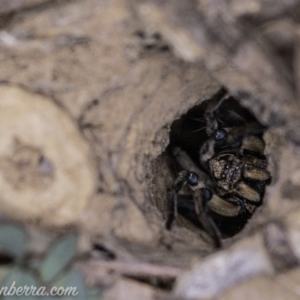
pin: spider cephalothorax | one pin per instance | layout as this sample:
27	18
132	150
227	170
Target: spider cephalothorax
227	174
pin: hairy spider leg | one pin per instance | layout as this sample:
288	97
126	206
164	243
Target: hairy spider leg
207	151
199	184
210	114
228	137
237	134
177	185
201	198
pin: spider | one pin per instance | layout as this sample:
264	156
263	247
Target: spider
227	173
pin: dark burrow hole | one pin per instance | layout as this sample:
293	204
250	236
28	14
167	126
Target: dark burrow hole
189	133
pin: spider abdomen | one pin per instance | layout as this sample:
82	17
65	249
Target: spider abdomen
226	170
231	172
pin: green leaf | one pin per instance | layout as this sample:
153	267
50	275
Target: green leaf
73	284
13	240
4	271
19	285
59	256
93	294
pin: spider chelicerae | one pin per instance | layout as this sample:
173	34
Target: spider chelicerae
218	152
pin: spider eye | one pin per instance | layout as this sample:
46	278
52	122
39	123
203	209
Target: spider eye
206	194
193	179
220	134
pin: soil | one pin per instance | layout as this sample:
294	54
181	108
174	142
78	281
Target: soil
94	89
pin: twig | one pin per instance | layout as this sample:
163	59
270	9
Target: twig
94	269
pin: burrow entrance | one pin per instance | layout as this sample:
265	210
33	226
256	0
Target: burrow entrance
189	133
